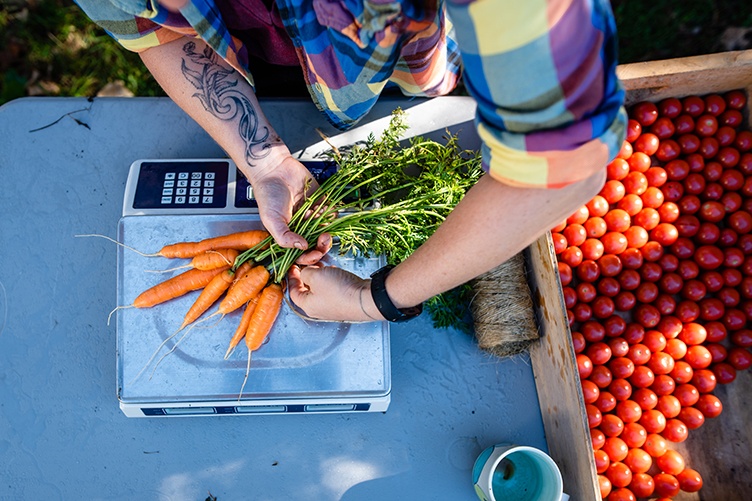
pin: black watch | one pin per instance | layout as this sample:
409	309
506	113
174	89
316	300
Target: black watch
384	304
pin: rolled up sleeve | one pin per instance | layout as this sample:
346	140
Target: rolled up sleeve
543	72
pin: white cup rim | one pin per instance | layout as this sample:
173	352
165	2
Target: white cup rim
511	449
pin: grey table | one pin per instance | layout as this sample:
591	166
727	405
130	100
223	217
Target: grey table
63	166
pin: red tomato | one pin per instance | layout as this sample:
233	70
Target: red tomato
669	406
594	415
708	147
617	169
671	462
602	461
688	143
634	434
735	99
590	391
663	385
642	377
704	380
730	119
687	394
592	249
669	212
693	106
666	485
708	257
743	141
694	184
625	301
661	362
670	327
588	271
621	494
741	222
647	315
668	149
638	461
691	417
639	354
617	220
572	256
639	162
718	352
689	480
631	204
715	104
613	191
663	127
676	431
655	445
626	150
698	357
693	333
584	366
670	107
597	438
615	448
642	485
676	348
611	425
706	125
665	234
742	338
646	113
682	372
602	377
687	311
656	176
621	367
647	143
575	234
593	331
595	227
653	421
709	405
629	412
634	129
724	373
739	358
684	124
645	398
597	206
565	273
608	286
604	485
619	474
687	225
677	170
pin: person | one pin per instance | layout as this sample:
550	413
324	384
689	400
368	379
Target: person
550	113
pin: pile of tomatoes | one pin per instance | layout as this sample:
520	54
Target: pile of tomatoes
656	274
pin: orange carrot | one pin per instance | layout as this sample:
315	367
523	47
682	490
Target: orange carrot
267	309
242	327
239	241
209	296
243	269
208	260
176	286
247	287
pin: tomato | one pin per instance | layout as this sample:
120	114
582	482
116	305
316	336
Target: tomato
615	448
693	333
595	227
687	311
682	372
730	119
743	142
621	367
619	474
687	225
604	486
671	462
579	216
594	415
631	204
693	106
639	162
656	176
735	99
647	143
617	220
642	485
668	150
634	434
602	377
653	421
611	425
694	184
639	354
732	202
628	411
689	480
718	352
739	358
715	104
724	373
709	257
646	113
704	380
709	147
665	234
709	405
698	357
621	494
684	124
668	262
638	461
633	334
687	394
668	212
613	191
666	485
617	169
645	398
670	327
578	342
588	271
713	191
742	338
691	417
614	243
565	273
608	286
706	125
653	198
593	331
647	315
741	221
597	206
602	461
663	385
634	129
676	431
625	301
660	362
655	445
729	157
712	280
676	349
647	292
626	150
672	191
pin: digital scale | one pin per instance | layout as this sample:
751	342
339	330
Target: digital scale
304	367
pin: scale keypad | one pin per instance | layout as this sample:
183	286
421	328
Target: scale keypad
169	185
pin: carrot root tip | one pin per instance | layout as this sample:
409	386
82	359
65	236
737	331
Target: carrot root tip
109	317
116	242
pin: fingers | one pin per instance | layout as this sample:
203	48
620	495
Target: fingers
323	245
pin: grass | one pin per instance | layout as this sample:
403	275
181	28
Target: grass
49	47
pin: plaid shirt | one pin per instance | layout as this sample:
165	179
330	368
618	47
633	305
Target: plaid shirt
542	71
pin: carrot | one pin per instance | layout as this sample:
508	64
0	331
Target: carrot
243	269
242	327
262	320
176	286
208	260
209	296
246	287
243	240
267	309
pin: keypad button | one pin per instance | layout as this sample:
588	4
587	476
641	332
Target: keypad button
182	184
209	175
179	200
166	200
192	200
169	175
207	200
195	184
169	184
181	191
183	175
208	191
195	175
167	192
195	191
209	184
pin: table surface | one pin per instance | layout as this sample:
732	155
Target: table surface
63	167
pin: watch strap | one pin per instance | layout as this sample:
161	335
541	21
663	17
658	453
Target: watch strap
384	304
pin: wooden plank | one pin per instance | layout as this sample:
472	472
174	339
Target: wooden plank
557	379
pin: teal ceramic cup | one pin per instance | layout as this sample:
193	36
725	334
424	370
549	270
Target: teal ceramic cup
507	472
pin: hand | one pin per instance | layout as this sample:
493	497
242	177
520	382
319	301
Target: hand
331	293
279	192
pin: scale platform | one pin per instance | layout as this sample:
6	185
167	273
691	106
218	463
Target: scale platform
304	367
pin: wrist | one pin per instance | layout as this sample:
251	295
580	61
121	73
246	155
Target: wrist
384	303
277	155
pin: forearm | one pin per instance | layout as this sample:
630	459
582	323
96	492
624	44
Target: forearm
491	224
220	100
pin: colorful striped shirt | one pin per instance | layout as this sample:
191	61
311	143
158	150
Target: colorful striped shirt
543	72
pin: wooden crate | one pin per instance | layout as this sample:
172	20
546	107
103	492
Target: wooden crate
721	448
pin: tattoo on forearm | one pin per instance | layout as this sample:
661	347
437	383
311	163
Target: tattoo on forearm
218	95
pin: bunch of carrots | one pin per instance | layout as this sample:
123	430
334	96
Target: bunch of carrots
384	199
